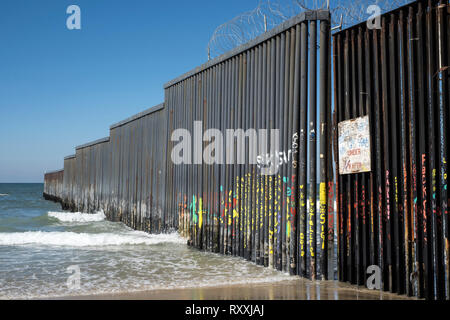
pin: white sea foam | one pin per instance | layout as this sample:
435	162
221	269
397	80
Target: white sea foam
3	194
133	285
73	239
77	216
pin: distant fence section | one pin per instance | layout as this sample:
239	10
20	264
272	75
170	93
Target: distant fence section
92	176
53	187
123	175
396	215
136	191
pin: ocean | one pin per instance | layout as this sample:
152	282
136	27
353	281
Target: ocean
45	253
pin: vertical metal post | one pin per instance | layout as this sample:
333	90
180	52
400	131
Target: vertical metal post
302	150
312	147
324	154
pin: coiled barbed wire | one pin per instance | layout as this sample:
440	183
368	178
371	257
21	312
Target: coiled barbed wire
270	13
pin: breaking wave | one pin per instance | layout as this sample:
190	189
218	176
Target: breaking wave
77	216
73	239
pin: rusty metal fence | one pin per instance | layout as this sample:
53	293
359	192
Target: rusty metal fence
276	81
122	175
137	189
69	185
396	216
53	185
89	174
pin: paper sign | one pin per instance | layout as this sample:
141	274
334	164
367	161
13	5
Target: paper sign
354	146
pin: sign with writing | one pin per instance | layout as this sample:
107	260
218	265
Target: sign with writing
354	145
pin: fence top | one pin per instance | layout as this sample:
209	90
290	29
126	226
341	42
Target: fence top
72	156
363	24
54	171
93	143
137	116
304	16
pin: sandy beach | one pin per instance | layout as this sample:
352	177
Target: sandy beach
297	289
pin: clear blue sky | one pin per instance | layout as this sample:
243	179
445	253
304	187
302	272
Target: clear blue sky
60	88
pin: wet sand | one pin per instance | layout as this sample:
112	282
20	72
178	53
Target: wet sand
298	289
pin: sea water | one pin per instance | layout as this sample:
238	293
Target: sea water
45	252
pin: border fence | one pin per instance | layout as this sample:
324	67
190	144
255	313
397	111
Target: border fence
53	184
233	208
396	216
306	219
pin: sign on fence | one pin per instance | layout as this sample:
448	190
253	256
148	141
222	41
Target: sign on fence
354	145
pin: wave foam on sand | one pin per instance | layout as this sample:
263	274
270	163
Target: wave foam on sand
77	216
73	239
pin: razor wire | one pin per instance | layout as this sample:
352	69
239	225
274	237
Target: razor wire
270	13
